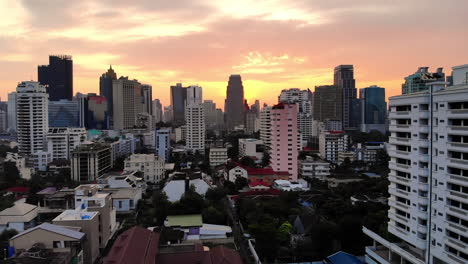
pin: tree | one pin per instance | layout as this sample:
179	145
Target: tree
241	182
212	215
283	232
192	202
215	194
119	164
266	158
161	204
247	161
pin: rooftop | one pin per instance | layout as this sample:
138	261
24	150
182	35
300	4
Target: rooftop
184	220
75	215
55	229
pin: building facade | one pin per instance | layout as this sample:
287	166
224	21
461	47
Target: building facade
163	143
265	126
373	109
61	141
234	104
152	166
195	120
218	156
127	103
64	113
304	101
106	90
314	168
327	103
331	143
90	161
417	82
344	79
178	98
57	77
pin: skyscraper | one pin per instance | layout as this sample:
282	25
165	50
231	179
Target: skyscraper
195	120
209	108
31	117
12	112
284	139
344	79
178	98
234	104
194	95
147	98
265	126
157	111
127	102
417	82
106	90
64	113
303	99
93	112
373	109
57	77
328	103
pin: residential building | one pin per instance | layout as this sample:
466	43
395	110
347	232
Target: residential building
417	82
314	168
194	95
163	143
122	180
20	162
41	159
31	117
373	109
368	152
344	80
265	126
327	103
168	113
209	108
180	133
285	185
57	77
150	165
144	121
126	103
346	155
90	161
428	176
3	121
284	139
106	90
64	243
195	124
250	121
178	98
219	119
123	147
157	111
12	111
304	101
331	143
61	141
19	217
234	104
64	113
125	201
251	147
218	156
147	99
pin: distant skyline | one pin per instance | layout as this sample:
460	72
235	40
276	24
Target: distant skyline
273	44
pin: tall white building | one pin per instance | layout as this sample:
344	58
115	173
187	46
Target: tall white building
195	120
157	111
61	141
265	125
127	102
152	166
428	176
31	117
331	143
12	111
303	99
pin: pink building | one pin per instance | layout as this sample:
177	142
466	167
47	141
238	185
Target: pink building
284	139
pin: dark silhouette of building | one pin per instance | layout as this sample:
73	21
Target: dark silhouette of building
106	90
327	103
344	79
234	105
57	77
178	98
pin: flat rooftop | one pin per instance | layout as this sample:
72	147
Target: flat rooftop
75	215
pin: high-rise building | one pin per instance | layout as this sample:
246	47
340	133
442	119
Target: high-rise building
219	119
284	139
57	77
303	99
428	176
12	112
93	112
61	141
195	120
344	79
31	117
64	113
90	161
417	82
250	120
106	89
373	109
209	108
147	98
127	102
178	98
265	126
3	121
168	114
234	104
328	103
256	107
163	143
157	111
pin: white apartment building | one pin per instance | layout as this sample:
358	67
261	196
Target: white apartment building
265	125
428	176
367	152
195	123
150	165
123	147
61	141
41	159
250	147
331	143
218	156
303	99
32	117
314	168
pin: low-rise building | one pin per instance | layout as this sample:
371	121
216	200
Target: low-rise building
314	168
251	147
125	200
41	159
163	143
367	152
150	165
285	185
218	156
343	155
331	143
19	217
20	162
61	141
90	161
117	180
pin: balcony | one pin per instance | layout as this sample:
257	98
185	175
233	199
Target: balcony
458	161
457	129
457	146
400	140
457	179
460	213
400	180
460	246
403	128
456	195
398	205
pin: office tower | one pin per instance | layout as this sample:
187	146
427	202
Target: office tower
147	97
61	141
178	98
126	103
428	176
265	126
195	120
331	144
328	103
31	117
219	119
64	113
303	99
3	121
90	161
373	109
250	119
209	109
284	139
12	112
163	143
107	91
234	104
256	107
417	82
93	112
168	114
157	111
57	77
344	80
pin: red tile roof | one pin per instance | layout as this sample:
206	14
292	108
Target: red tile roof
217	255
18	189
137	245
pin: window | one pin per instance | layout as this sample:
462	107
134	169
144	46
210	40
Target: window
132	204
120	204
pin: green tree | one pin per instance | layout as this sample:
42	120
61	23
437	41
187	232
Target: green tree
212	215
283	232
266	159
161	204
215	194
247	161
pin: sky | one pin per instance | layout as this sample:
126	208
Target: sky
273	44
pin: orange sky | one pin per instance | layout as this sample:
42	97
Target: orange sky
273	44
